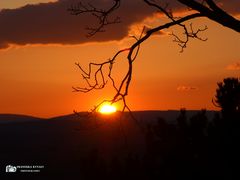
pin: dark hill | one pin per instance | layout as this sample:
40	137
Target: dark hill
10	118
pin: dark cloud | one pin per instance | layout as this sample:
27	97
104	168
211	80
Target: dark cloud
49	23
52	23
230	6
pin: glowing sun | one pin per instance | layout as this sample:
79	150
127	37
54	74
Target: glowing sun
107	109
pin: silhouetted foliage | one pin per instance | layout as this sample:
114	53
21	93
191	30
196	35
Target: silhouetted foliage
228	96
200	148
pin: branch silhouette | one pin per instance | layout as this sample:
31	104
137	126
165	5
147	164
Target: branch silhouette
205	8
101	15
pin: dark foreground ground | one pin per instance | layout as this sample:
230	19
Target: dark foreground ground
159	145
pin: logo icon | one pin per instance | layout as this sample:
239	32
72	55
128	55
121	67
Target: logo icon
10	168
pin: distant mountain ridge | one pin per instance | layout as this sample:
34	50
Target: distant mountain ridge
7	118
169	115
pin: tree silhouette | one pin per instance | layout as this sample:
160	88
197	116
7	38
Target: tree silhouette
97	71
227	130
228	96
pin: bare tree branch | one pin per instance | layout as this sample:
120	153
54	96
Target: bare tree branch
214	13
101	15
188	34
205	8
123	88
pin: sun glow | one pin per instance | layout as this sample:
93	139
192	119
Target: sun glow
107	109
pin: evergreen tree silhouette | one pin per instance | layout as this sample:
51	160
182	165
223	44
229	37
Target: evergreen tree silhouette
228	96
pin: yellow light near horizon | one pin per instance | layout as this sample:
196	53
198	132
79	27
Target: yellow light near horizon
107	109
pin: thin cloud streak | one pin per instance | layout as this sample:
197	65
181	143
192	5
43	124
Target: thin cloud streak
186	88
234	66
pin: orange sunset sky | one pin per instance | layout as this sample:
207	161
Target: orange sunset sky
39	44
